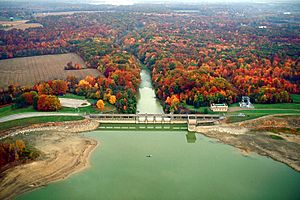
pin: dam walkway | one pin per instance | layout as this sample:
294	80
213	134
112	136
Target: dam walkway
192	120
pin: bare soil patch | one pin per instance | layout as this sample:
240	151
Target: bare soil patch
73	103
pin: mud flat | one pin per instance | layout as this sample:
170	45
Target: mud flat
64	152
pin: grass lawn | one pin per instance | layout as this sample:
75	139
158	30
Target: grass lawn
296	98
8	110
269	111
273	106
200	109
233	119
234	105
36	120
278	106
252	114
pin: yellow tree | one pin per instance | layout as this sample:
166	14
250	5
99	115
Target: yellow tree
100	104
173	101
20	145
112	99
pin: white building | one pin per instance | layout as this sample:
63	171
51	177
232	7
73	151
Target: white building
219	107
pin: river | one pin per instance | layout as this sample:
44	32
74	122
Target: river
147	101
179	169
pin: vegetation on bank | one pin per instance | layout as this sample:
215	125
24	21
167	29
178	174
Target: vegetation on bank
15	151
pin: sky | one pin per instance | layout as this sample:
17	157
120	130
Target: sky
130	2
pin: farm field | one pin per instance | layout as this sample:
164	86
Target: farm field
45	14
29	70
19	24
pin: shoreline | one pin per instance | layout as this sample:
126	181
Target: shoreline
247	139
64	152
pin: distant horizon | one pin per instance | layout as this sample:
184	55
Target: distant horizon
133	2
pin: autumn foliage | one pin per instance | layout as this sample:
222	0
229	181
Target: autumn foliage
112	99
48	103
55	87
195	59
15	151
29	97
100	105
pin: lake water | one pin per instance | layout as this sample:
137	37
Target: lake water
182	167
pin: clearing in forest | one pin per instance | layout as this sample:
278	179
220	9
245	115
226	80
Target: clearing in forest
30	70
19	24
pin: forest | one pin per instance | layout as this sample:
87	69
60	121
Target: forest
214	55
15	151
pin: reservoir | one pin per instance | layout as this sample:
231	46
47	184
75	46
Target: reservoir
180	168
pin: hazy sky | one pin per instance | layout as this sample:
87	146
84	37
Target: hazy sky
130	2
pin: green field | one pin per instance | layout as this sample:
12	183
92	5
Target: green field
296	98
273	106
9	110
36	120
252	114
200	109
278	106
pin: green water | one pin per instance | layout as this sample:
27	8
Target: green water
182	167
177	170
147	101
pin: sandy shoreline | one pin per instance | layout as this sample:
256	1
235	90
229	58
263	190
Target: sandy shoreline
245	137
65	152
